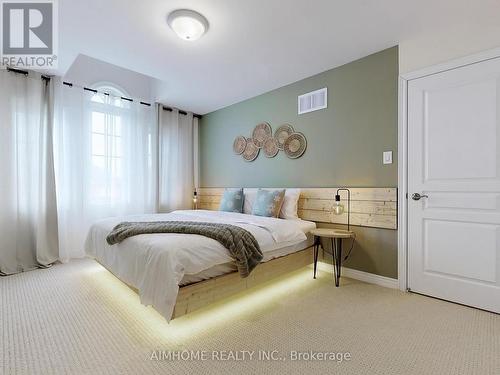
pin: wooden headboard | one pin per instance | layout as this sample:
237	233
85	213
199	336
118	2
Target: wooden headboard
370	207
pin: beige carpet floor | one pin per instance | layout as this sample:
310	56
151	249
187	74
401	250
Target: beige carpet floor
77	318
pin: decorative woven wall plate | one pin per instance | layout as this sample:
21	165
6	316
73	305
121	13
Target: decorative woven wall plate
270	148
251	151
261	133
281	134
239	145
295	145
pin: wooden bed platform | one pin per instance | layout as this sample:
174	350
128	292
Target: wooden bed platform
195	296
203	293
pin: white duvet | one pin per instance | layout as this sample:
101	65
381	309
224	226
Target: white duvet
156	263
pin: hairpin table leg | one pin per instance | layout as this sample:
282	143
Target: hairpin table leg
338	260
316	251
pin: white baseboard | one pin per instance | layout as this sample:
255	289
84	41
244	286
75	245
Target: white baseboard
371	278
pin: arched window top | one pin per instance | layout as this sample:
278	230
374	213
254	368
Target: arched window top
115	93
110	88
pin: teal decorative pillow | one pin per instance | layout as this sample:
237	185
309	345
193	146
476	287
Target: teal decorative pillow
268	202
232	200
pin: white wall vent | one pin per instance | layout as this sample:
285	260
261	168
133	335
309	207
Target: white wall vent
313	101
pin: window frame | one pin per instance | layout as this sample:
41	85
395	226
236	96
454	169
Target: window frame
112	112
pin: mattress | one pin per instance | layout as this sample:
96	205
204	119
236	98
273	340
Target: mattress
156	264
222	269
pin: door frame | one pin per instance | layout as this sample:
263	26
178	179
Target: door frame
403	161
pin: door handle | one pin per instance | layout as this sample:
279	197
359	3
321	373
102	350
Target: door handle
417	196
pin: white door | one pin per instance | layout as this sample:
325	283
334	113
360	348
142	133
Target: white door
454	159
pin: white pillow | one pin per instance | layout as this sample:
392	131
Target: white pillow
250	195
290	203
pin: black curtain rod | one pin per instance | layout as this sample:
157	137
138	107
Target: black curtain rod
19	71
69	84
26	73
181	112
106	93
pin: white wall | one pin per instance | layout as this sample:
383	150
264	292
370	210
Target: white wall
86	71
451	42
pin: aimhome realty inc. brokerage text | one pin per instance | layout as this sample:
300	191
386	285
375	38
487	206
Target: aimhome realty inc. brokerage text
248	355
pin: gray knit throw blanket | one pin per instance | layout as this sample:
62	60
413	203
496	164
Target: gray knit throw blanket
241	244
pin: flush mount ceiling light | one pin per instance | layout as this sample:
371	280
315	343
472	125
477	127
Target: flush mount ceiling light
187	24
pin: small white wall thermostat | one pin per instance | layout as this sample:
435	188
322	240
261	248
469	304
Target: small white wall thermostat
387	157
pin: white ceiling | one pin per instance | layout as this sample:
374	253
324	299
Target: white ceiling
252	46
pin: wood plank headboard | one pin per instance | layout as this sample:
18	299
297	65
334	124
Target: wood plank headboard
370	207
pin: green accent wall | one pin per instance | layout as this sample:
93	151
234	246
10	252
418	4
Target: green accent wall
345	143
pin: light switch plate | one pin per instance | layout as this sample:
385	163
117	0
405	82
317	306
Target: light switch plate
387	157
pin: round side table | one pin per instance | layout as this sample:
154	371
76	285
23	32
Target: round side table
336	236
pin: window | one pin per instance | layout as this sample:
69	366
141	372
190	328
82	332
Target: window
108	114
103	154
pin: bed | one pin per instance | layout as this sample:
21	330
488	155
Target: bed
178	273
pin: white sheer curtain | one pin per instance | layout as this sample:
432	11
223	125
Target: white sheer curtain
28	209
105	162
177	134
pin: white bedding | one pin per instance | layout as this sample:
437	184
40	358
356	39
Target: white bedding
156	263
222	269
